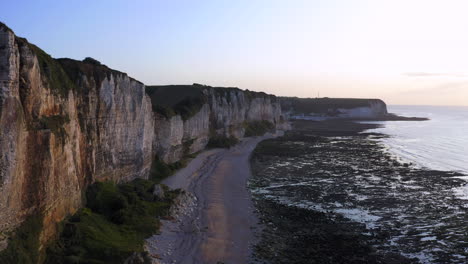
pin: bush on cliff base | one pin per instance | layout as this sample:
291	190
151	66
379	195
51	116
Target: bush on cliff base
221	142
161	170
257	128
115	223
23	246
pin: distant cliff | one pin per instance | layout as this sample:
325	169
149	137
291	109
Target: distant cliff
310	108
66	123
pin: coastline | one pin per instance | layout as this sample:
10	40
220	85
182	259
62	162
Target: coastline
215	219
330	193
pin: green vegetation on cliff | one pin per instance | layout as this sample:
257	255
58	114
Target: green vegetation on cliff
63	75
258	128
89	67
161	170
111	227
23	245
219	141
54	123
171	100
187	100
4	26
116	221
52	73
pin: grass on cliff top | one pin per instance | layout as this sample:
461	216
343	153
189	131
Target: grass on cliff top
258	128
3	25
88	67
52	73
171	100
63	75
187	100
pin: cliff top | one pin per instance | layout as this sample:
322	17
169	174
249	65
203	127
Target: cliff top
187	100
88	67
62	75
4	27
319	105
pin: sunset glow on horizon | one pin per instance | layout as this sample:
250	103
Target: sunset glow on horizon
404	52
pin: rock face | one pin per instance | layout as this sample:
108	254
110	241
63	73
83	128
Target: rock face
375	109
224	112
324	108
58	135
65	124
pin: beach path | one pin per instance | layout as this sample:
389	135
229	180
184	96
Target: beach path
220	226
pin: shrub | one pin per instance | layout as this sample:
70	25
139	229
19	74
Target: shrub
161	170
257	128
54	123
91	61
116	220
189	106
222	142
52	72
115	223
23	246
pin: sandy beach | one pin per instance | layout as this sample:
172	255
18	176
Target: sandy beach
215	221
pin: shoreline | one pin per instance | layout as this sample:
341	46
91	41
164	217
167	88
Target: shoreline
334	176
215	219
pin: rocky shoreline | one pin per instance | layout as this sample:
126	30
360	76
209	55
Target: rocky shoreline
328	193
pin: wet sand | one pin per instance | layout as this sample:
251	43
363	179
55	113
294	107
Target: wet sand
215	221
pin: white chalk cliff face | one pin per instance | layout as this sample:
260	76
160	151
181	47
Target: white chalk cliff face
375	109
332	108
224	114
65	124
53	143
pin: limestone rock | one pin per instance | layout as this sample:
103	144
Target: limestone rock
158	191
139	258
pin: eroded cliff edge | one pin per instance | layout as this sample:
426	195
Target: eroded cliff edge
66	124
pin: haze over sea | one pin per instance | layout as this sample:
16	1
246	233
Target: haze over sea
440	143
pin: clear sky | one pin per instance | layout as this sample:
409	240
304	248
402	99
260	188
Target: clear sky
403	51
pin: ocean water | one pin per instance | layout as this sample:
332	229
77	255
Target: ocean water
440	143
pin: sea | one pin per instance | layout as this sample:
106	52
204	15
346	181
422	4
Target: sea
441	143
420	208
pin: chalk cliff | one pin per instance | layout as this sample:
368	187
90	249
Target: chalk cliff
65	124
221	111
316	108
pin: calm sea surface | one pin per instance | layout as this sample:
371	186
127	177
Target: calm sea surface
440	143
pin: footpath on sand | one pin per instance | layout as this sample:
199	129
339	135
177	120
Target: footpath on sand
215	219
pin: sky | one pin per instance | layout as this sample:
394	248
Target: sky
402	51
